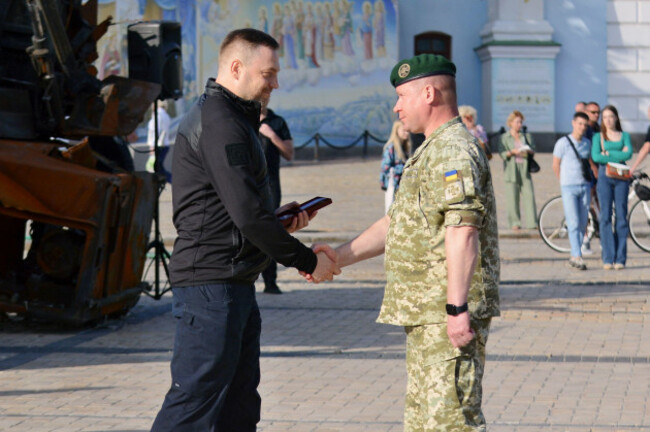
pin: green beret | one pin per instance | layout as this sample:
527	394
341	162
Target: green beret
421	66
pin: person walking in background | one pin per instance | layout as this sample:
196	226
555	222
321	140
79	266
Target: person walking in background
276	141
164	139
396	151
468	115
576	189
514	148
611	144
645	149
593	111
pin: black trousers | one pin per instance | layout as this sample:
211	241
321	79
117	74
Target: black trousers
216	362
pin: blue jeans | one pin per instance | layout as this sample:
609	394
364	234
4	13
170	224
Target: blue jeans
613	193
216	362
575	199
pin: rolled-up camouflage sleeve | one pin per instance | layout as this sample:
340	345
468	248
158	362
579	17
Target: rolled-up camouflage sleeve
453	189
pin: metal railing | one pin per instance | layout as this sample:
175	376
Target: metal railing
318	138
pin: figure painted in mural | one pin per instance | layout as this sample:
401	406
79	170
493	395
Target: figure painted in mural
329	40
346	28
111	63
468	115
289	33
396	151
278	25
365	30
299	18
227	230
379	23
337	11
263	20
309	33
321	24
611	144
514	148
440	237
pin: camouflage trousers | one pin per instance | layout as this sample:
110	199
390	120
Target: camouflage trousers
444	383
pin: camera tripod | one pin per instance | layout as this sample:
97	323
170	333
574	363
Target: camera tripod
161	255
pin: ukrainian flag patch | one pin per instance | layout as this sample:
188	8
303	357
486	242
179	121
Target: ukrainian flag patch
451	176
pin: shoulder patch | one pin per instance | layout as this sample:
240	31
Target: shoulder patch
237	154
453	184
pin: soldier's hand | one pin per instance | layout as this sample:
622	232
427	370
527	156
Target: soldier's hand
325	269
458	329
331	254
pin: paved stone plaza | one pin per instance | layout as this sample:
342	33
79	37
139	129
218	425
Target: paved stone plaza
571	351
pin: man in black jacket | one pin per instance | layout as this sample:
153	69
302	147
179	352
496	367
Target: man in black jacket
227	230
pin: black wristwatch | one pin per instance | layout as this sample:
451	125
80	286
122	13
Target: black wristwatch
454	310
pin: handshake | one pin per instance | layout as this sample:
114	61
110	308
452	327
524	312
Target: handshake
327	265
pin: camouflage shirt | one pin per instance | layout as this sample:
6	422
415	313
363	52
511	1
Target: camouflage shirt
447	182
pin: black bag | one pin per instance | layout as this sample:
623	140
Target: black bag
587	173
533	166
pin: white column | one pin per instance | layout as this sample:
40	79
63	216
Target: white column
628	61
518	65
516	20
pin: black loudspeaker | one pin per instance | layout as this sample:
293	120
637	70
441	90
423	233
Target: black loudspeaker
155	55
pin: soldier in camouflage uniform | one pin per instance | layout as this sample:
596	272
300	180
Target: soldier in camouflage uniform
442	253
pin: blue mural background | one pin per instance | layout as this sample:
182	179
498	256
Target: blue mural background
336	56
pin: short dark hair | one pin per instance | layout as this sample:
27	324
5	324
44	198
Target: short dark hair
581	115
251	36
593	103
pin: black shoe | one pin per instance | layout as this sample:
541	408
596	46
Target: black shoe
272	289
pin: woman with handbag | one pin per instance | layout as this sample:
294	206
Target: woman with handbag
612	145
515	148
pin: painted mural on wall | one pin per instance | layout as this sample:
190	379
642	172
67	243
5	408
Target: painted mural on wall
336	55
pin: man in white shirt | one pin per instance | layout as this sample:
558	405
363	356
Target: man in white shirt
576	189
164	138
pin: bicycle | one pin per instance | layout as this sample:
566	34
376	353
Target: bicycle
554	232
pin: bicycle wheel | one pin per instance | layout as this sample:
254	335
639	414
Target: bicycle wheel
552	225
639	223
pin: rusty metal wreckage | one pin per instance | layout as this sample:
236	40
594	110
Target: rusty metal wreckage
90	219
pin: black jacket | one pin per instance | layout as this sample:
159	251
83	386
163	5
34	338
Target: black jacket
222	205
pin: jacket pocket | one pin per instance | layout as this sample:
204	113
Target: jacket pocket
237	243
